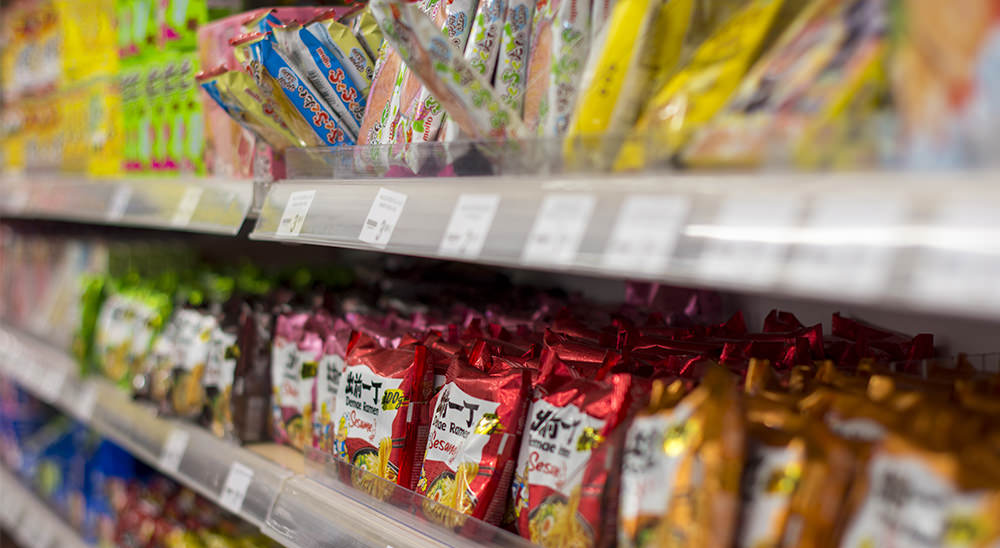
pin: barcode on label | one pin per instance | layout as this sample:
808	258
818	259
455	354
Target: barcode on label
559	228
234	490
382	217
294	216
173	450
469	225
645	233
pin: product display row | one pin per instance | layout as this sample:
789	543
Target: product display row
565	421
23	515
102	492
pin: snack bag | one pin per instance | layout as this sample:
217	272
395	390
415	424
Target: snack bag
220	374
245	103
287	384
358	65
377	115
681	470
823	77
382	407
692	96
512	66
565	427
369	35
570	48
251	390
620	70
191	352
475	429
329	381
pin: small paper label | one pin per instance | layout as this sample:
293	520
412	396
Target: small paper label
51	384
235	488
173	450
559	228
746	244
86	402
17	201
469	225
294	216
382	217
119	203
645	234
186	206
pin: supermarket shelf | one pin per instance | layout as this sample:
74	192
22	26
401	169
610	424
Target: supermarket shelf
296	504
199	205
29	520
906	241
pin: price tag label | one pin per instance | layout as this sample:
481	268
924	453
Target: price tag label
186	206
294	216
234	490
746	243
846	246
119	203
469	225
382	217
559	228
960	260
645	233
17	201
173	450
86	402
51	384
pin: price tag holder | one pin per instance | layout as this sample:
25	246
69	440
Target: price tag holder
296	210
173	450
45	533
747	241
187	206
119	203
51	384
469	225
234	490
86	402
645	233
559	228
382	218
18	199
847	245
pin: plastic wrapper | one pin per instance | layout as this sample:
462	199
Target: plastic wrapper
823	79
474	434
338	38
467	97
239	96
641	37
291	391
383	411
368	33
539	64
570	48
377	116
701	88
220	375
192	344
251	391
329	381
512	64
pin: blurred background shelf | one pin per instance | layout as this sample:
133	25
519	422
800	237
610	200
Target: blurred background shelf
878	239
215	206
29	521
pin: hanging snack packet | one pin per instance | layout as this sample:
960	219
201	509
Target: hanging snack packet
512	65
302	94
191	350
693	454
286	375
474	433
642	37
539	65
564	429
220	373
369	35
359	67
383	84
692	96
570	48
240	97
467	97
383	408
313	59
329	382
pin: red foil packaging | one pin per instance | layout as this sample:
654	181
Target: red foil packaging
559	492
475	429
383	410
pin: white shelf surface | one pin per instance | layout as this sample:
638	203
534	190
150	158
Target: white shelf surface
216	206
297	509
927	241
30	522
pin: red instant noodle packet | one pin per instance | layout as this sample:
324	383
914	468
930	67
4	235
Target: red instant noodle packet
475	428
382	406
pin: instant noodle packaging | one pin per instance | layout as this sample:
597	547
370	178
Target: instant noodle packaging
559	500
291	393
474	433
382	405
329	381
692	452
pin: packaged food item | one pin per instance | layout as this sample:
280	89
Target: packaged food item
368	33
327	126
250	400
570	48
383	412
699	90
692	452
191	351
539	65
329	381
377	116
338	38
512	64
294	356
246	103
475	430
565	427
316	62
220	375
825	74
469	99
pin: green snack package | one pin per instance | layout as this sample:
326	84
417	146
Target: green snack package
91	300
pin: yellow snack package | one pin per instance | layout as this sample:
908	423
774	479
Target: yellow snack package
681	469
641	38
693	95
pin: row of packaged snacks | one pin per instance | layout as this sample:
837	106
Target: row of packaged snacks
109	497
629	84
